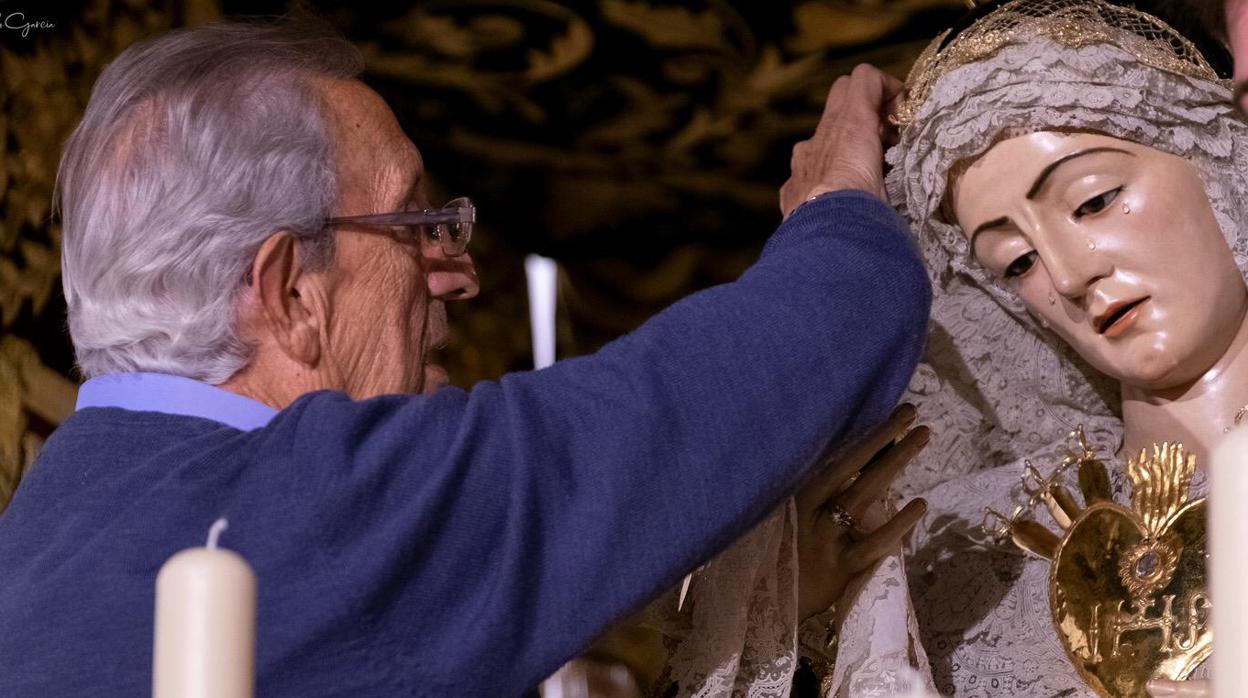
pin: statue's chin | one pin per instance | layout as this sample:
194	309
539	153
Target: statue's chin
1152	366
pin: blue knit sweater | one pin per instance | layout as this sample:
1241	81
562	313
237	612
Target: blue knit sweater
469	542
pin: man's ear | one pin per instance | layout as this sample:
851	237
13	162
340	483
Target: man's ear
277	275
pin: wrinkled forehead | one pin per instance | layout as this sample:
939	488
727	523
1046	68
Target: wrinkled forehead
375	157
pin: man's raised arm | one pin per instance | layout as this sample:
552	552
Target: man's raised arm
526	515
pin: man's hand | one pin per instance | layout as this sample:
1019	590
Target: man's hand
831	551
847	150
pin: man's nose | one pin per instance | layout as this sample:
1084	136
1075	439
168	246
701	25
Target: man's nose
452	278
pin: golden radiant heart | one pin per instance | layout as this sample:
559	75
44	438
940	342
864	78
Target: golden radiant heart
1128	588
1129	605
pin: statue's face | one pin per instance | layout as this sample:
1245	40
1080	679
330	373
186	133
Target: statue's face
1114	245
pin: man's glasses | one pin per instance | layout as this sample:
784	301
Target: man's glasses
449	227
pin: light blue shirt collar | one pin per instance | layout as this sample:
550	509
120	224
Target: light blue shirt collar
160	392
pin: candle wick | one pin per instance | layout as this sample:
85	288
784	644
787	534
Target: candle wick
214	533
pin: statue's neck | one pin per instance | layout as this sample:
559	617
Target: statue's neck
1198	414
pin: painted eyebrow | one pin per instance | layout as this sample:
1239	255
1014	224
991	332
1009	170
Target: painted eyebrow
994	223
1048	170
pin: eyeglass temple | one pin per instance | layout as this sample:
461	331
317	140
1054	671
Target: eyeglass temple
461	214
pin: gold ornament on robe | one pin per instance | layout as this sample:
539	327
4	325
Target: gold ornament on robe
1128	587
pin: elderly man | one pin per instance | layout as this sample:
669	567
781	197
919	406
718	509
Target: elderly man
256	281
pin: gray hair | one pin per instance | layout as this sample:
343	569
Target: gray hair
195	147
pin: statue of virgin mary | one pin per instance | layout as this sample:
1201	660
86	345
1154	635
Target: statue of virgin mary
1077	180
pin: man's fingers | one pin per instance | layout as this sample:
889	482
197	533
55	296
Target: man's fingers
858	101
833	105
880	474
857	454
846	150
870	80
849	460
864	553
863	128
866	98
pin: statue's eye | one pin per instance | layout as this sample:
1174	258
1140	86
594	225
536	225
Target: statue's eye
1097	203
1021	265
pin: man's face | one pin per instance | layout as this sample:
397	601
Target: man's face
384	299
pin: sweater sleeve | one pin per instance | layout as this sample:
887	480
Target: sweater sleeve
498	531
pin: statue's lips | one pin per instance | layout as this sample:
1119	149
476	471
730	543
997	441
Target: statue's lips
1119	317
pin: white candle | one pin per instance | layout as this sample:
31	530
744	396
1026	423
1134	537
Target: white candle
1228	534
205	624
542	274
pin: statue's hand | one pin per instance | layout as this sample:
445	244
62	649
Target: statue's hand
1161	688
847	149
836	539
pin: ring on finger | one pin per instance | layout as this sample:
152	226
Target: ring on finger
842	518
